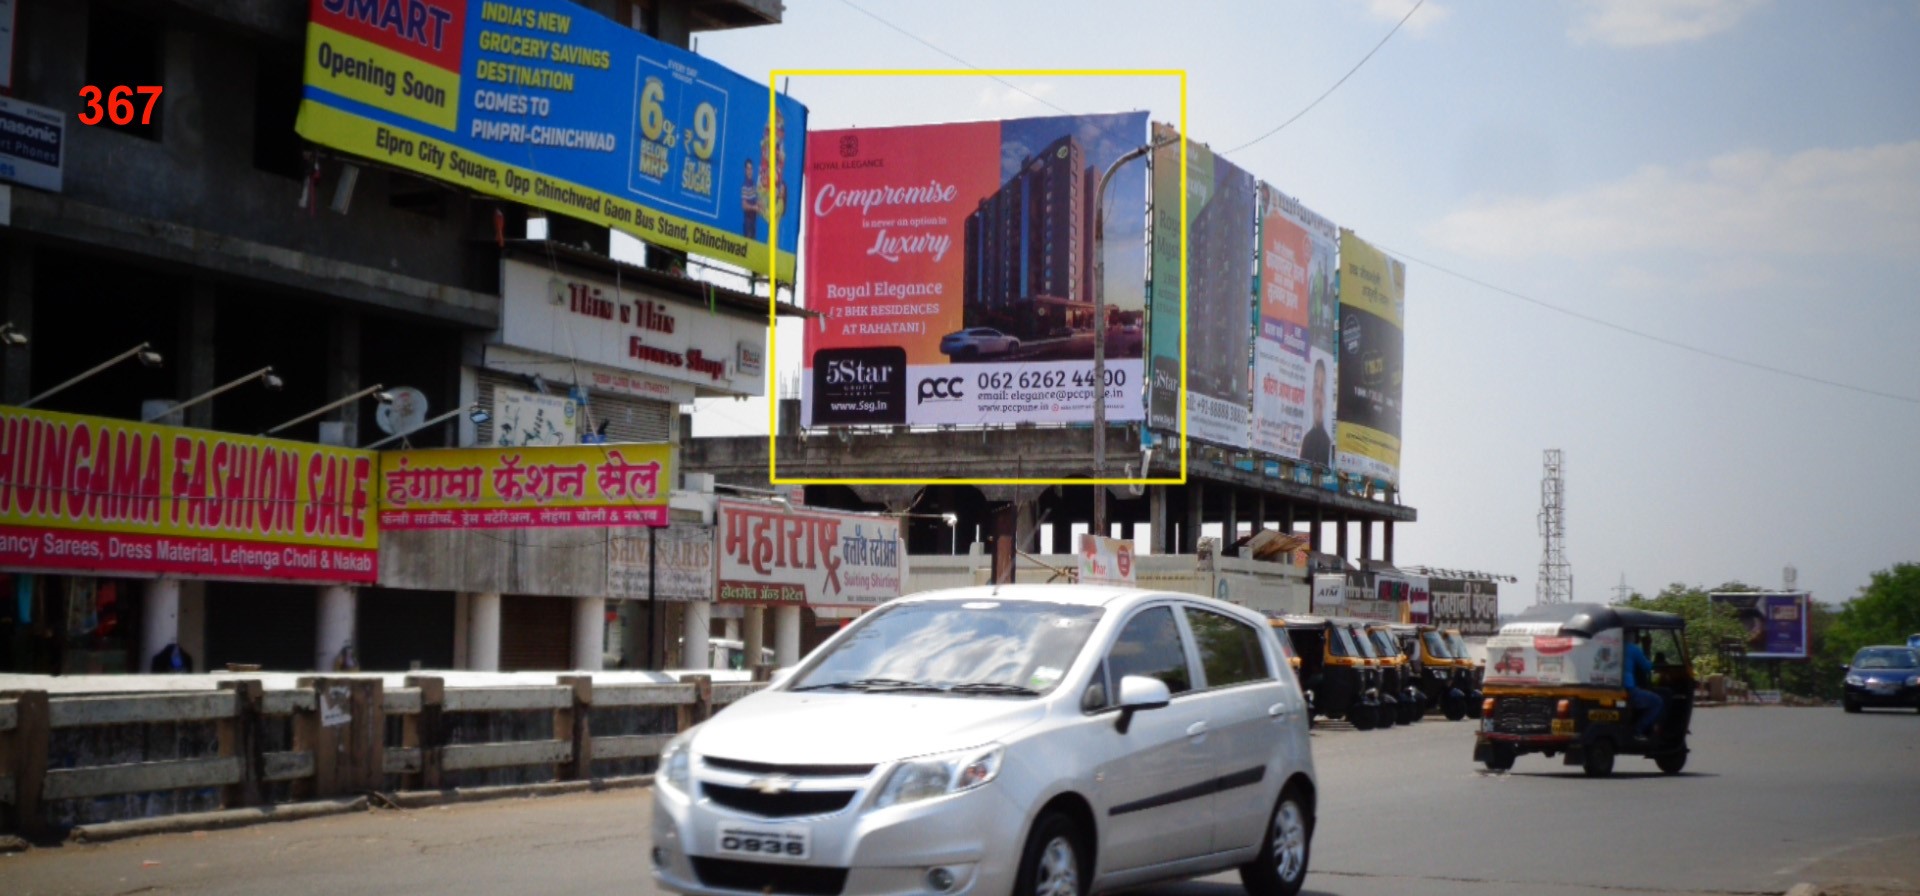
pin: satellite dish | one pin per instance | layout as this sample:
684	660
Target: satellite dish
404	413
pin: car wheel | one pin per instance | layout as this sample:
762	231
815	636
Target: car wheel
1599	762
1055	860
1849	706
1672	763
1473	705
1364	717
1500	757
1455	708
1013	346
1281	867
1389	714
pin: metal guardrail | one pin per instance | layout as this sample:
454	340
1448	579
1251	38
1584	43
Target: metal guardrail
339	737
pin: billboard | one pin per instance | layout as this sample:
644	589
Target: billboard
771	555
1163	324
1372	287
1220	270
526	487
1105	561
98	495
953	266
1293	355
1776	621
547	104
1470	605
679	559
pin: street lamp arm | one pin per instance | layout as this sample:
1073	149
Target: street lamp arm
1100	333
325	408
144	350
264	373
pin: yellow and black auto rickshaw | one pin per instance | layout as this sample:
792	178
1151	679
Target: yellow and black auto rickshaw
1389	704
1476	670
1555	685
1396	674
1444	680
1339	681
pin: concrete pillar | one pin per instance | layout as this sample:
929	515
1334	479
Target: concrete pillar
1313	531
1386	538
1259	511
1196	517
753	628
159	619
1366	540
730	629
343	369
17	362
786	635
1157	519
696	622
334	633
483	632
194	370
1231	530
1340	538
589	633
1027	526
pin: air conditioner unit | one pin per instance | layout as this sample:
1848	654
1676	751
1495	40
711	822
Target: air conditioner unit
697	482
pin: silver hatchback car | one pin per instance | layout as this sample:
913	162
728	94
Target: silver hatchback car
1042	740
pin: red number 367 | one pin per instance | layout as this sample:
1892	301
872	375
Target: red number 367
119	104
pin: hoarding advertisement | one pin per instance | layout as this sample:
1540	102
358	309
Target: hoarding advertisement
1105	561
1470	605
545	103
681	560
1372	288
92	494
1220	208
953	267
771	555
1163	325
1776	622
1294	347
525	488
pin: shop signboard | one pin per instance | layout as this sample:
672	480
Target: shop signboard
523	419
774	554
1105	561
547	104
953	267
1373	288
32	144
525	488
105	496
1775	621
1472	606
681	561
598	321
1293	366
1329	593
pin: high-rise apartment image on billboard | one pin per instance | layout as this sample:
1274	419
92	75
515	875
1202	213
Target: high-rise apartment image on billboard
1029	261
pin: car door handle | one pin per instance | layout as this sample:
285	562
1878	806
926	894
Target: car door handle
1196	729
1279	711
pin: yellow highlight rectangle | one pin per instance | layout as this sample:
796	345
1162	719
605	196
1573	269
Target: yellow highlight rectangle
773	297
366	72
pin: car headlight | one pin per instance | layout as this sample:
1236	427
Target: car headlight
1856	681
931	776
1914	681
676	763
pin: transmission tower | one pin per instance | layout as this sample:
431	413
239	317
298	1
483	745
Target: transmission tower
1555	584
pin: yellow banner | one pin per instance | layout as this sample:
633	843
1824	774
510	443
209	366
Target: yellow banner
366	72
1370	280
410	150
99	494
536	487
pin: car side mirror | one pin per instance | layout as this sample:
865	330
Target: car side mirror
1845	668
1139	693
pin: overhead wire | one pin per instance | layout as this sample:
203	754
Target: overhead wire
929	45
1336	85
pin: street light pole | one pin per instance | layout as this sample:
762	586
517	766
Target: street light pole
264	374
1100	336
144	351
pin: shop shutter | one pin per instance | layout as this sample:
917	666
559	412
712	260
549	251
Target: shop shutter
628	419
536	633
398	628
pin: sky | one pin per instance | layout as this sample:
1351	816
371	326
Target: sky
1709	192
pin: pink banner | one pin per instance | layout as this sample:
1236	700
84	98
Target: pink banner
69	550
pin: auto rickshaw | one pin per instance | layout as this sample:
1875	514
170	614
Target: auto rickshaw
1444	679
1555	686
1389	703
1396	676
1339	682
1470	673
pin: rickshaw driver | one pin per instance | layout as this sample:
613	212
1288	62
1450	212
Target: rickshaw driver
1646	702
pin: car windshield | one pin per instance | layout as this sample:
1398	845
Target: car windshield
1340	642
1365	647
1886	659
1016	648
1436	645
1457	646
1383	643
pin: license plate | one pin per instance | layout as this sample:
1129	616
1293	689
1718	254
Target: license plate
1563	726
1881	688
1603	715
765	841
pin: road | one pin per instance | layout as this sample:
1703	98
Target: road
1773	796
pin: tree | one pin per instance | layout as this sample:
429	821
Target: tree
1886	612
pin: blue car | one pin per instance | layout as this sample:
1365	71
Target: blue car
1882	676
